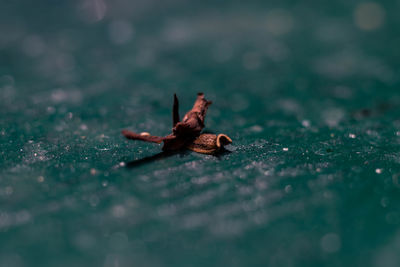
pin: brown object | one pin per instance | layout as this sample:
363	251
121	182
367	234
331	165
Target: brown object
209	143
187	133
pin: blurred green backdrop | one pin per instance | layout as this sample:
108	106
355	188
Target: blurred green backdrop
307	90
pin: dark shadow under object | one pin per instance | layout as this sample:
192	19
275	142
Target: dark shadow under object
149	159
164	155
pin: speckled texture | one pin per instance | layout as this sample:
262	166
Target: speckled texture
307	91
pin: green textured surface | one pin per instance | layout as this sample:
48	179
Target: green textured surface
307	91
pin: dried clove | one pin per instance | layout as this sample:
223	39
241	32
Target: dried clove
209	143
186	133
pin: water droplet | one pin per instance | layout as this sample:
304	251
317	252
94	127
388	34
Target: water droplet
288	188
306	123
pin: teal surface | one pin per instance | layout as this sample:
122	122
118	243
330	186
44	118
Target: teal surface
308	91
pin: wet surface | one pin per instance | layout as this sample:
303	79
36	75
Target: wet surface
308	94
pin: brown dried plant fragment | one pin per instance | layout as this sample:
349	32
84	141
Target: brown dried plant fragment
209	143
187	133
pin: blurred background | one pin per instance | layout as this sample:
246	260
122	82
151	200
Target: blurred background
307	90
